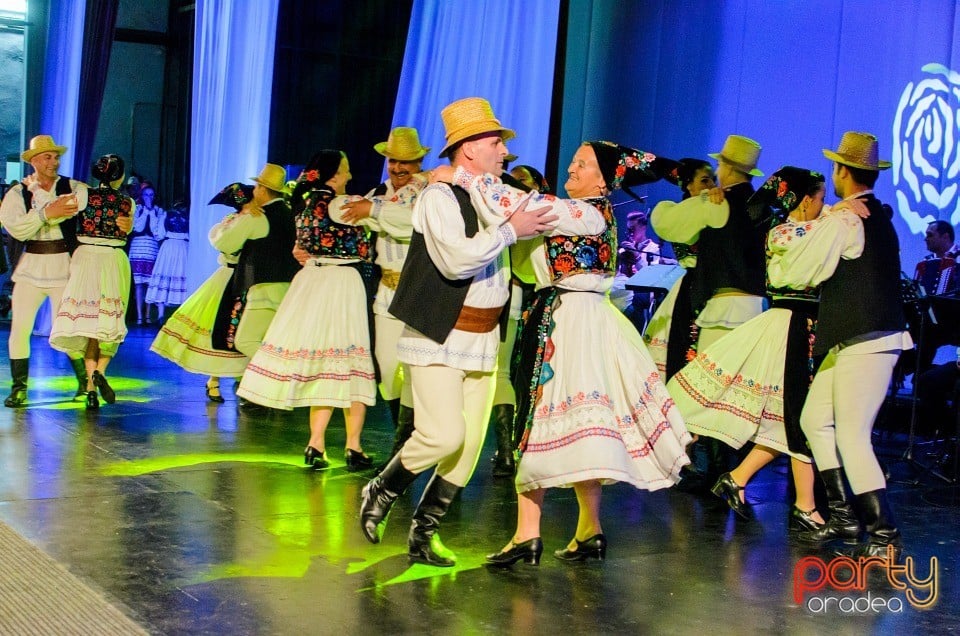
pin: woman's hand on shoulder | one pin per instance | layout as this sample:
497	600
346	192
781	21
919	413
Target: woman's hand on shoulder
442	174
854	206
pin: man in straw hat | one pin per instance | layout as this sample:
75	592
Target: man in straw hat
388	211
862	331
451	296
39	211
727	287
265	235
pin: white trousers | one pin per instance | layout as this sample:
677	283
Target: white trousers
394	375
25	303
453	407
838	415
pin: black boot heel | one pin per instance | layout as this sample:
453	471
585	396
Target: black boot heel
528	551
92	402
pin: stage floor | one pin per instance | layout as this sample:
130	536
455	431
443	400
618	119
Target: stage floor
197	518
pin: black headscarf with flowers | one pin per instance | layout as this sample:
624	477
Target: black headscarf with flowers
235	195
320	169
623	167
783	191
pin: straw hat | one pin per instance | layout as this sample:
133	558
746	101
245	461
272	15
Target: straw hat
272	176
741	153
468	117
40	144
858	149
402	144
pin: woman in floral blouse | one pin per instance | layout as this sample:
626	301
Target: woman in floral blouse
92	312
751	385
591	407
317	352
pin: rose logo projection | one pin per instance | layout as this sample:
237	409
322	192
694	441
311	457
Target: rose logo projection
926	157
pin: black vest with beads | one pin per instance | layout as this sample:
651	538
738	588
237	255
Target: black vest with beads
863	295
425	299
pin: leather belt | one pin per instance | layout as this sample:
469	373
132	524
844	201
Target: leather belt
390	278
57	246
478	319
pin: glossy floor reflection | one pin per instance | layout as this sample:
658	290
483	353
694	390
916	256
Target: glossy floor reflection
198	518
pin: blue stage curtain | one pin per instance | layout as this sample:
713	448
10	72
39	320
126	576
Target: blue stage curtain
101	21
61	77
58	101
232	81
501	50
677	78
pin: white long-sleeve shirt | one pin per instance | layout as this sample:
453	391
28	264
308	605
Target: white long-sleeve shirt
483	257
41	270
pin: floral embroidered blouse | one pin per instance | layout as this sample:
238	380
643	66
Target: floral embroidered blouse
97	223
320	235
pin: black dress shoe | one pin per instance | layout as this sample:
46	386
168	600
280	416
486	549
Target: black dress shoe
593	548
529	551
92	402
315	458
729	491
105	391
250	407
357	460
802	521
214	397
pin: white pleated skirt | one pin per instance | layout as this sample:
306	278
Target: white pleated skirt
317	349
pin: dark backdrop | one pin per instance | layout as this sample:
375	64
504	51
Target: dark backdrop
337	68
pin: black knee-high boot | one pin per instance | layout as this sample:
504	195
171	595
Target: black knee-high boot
424	543
503	463
842	523
404	429
19	370
878	521
378	496
80	370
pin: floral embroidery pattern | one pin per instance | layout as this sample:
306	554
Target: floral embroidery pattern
320	235
632	160
568	255
99	218
541	311
235	312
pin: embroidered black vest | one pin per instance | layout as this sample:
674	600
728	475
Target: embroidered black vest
596	254
863	295
730	256
425	299
319	235
99	218
269	259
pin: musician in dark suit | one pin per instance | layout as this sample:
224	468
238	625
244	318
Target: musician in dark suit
936	273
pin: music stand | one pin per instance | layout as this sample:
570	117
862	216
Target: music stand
656	279
943	309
